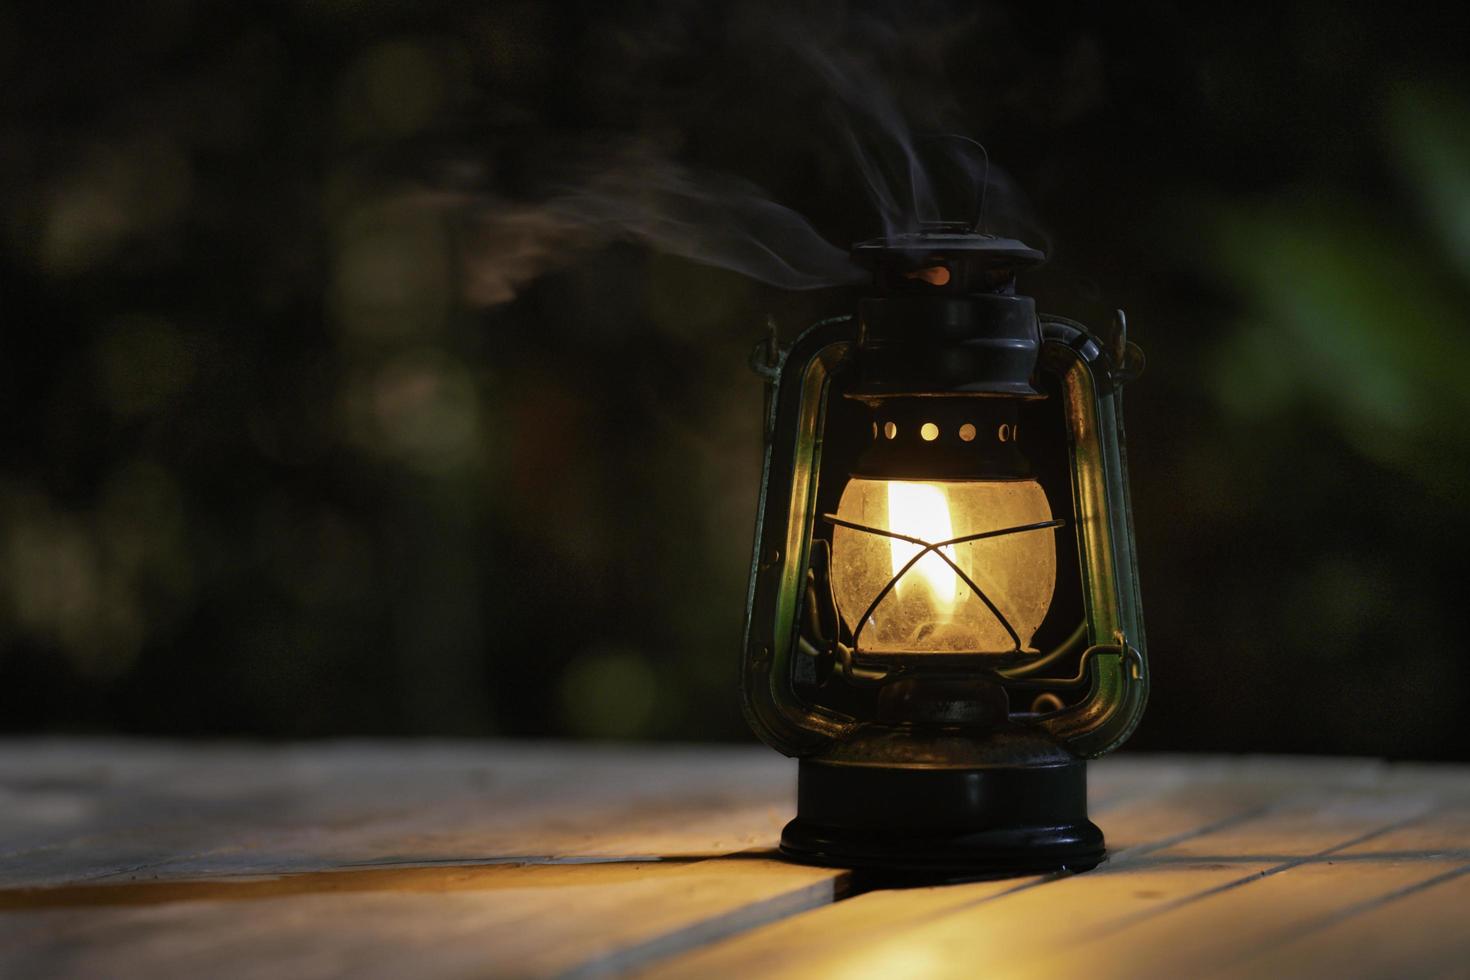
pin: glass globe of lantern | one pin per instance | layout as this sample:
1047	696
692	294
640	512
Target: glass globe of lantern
931	607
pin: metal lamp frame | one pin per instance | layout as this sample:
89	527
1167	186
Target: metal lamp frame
1090	374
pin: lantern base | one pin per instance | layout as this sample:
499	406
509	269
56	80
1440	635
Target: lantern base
913	826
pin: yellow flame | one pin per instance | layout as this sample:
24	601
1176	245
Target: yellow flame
921	510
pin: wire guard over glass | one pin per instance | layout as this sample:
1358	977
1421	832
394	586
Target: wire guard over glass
936	547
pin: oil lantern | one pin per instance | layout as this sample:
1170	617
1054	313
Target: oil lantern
943	621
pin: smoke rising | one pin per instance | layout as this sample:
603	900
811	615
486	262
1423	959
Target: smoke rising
929	172
903	199
640	196
638	193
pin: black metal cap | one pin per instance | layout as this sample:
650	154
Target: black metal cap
946	258
984	344
946	318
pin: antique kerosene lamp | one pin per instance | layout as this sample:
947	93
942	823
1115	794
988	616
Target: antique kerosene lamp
943	619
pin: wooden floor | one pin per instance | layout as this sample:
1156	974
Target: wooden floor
434	859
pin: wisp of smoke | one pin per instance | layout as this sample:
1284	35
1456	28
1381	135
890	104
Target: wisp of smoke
861	94
637	195
904	170
714	219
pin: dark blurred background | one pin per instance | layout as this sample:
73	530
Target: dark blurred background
271	464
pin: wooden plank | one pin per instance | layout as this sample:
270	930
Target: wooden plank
454	859
1417	923
1143	806
1202	873
1210	928
535	920
1416	931
73	810
369	859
